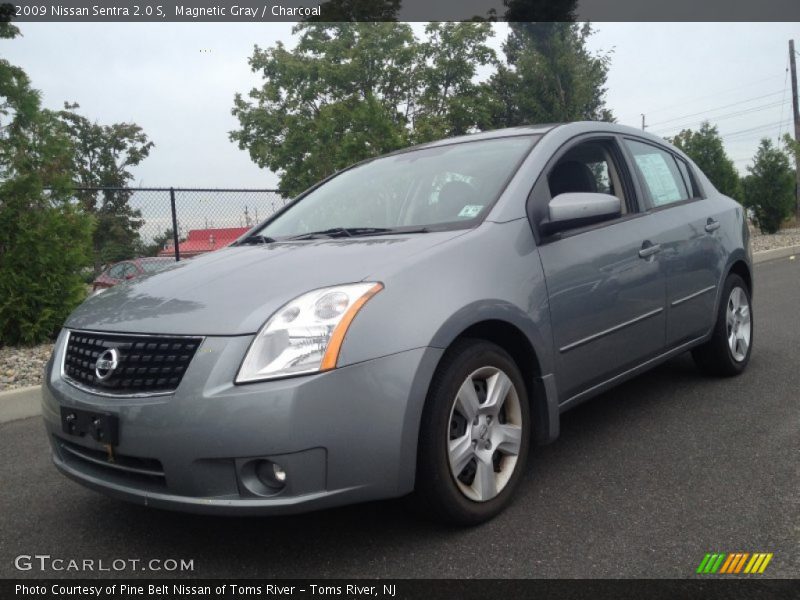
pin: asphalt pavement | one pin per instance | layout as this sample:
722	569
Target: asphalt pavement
643	482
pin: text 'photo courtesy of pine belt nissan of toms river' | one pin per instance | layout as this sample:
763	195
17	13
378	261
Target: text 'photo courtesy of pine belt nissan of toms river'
411	325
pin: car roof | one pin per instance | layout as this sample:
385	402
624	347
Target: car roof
491	135
575	128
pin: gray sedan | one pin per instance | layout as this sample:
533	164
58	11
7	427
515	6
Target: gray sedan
412	324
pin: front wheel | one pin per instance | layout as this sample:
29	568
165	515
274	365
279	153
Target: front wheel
728	351
474	435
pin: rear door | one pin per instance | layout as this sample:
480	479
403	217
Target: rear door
689	238
605	284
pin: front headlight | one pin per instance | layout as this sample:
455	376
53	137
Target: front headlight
306	334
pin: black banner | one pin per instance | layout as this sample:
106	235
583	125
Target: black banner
402	589
264	11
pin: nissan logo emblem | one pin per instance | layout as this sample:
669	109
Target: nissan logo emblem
106	363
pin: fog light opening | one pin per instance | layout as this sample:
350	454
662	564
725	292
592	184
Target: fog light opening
271	475
279	473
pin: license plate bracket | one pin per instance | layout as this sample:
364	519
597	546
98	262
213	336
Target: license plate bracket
102	427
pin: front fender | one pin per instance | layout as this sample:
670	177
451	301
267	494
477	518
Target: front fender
495	310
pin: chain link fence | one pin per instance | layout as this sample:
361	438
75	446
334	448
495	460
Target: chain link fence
172	222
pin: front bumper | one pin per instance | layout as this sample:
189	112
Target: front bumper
348	435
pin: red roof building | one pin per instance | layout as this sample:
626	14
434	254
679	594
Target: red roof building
200	241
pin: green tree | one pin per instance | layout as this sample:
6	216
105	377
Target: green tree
705	148
769	187
793	148
103	157
449	101
44	235
7	30
161	241
349	91
549	76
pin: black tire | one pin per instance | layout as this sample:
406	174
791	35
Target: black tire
715	357
437	494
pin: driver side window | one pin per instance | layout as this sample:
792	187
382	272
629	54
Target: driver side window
588	167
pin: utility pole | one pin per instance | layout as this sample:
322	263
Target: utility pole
796	114
643	125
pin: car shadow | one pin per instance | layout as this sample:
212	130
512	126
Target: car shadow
341	542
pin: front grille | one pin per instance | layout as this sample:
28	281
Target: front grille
145	364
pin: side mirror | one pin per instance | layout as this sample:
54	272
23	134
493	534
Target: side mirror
577	209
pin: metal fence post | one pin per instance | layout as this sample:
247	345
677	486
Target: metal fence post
174	224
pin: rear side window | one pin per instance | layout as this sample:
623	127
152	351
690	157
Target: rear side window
660	173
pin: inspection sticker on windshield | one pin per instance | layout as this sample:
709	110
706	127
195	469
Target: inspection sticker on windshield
470	210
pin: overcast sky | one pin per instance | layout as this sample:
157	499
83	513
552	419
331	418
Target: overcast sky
177	81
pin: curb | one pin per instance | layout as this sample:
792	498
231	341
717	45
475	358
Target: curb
765	255
20	403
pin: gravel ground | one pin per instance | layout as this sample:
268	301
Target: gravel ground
782	239
21	367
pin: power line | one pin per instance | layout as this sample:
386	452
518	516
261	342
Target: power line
757	128
753	129
692	100
708	110
755	133
728	115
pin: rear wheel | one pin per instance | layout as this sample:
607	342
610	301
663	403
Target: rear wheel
474	435
728	351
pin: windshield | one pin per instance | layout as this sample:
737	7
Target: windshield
450	185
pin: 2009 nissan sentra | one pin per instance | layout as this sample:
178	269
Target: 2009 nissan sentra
412	324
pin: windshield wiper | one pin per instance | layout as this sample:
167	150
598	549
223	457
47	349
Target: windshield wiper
354	232
256	239
334	232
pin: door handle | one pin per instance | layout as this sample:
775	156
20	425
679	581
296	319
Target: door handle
711	225
649	250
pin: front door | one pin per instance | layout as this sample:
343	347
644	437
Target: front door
605	283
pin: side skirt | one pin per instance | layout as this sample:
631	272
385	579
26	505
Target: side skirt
625	375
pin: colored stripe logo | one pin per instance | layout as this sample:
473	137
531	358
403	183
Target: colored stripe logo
734	563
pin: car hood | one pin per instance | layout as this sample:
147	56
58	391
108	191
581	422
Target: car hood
234	290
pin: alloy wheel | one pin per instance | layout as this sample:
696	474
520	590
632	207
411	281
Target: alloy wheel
738	326
485	434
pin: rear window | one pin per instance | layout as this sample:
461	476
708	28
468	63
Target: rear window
154	266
